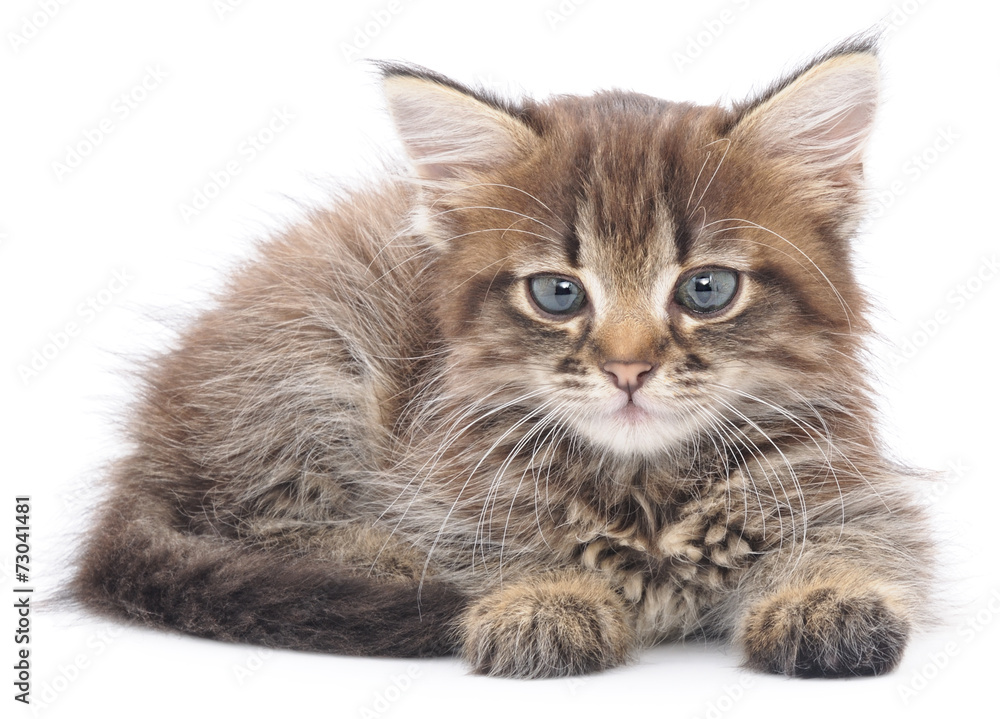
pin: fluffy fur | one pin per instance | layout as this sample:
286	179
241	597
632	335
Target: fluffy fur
377	442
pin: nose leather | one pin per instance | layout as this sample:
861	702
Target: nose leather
627	376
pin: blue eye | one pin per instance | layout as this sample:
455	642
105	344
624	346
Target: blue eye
707	290
556	295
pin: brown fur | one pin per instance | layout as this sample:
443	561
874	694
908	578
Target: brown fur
562	624
377	443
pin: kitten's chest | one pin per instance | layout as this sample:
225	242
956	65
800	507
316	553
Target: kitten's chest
671	561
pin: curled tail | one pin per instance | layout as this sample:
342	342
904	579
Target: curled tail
141	569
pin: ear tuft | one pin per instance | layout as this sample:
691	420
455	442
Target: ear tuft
448	130
823	116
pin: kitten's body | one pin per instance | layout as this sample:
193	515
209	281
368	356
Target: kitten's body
377	443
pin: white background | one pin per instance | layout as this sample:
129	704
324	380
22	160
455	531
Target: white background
66	235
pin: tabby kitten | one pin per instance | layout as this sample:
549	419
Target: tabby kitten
588	379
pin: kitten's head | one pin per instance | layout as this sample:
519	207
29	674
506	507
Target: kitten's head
638	270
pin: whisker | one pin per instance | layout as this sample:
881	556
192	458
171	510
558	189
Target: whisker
750	224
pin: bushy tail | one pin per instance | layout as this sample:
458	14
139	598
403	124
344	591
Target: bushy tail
140	569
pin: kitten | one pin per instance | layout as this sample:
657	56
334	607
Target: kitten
590	378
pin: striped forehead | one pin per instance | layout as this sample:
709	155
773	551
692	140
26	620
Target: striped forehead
628	273
630	188
639	247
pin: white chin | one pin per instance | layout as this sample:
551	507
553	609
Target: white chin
630	429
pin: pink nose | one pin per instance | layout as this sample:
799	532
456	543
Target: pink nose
628	376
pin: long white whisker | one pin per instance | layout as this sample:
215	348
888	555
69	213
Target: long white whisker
751	224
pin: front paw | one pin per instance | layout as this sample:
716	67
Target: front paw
559	625
824	632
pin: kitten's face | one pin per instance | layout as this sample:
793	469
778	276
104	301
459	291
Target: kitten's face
639	271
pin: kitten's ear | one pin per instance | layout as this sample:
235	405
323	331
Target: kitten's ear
448	130
822	116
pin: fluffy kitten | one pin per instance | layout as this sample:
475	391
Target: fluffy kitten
589	379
